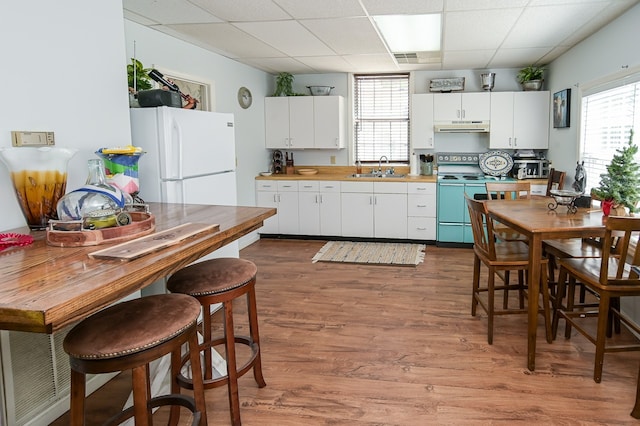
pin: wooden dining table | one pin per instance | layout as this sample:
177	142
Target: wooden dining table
44	288
534	219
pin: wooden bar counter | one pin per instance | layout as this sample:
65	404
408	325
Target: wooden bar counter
44	288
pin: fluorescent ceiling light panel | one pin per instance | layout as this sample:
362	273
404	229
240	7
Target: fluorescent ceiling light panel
410	33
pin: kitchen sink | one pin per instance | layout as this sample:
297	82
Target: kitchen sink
375	175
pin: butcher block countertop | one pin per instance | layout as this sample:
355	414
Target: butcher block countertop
45	288
343	173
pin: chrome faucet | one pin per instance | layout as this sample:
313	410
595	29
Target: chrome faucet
380	163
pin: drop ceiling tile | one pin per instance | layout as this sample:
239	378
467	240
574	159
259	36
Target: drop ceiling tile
310	9
280	64
484	29
546	26
348	35
513	58
467	5
371	63
467	59
229	39
326	64
243	10
287	36
169	12
402	7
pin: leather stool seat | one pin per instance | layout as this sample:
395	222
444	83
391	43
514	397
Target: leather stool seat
221	281
128	336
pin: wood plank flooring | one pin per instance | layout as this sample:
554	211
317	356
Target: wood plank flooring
382	345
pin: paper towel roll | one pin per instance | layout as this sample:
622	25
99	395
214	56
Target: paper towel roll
414	165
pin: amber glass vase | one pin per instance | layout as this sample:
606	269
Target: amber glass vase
39	177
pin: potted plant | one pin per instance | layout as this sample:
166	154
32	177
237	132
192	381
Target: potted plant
138	76
620	186
531	77
284	84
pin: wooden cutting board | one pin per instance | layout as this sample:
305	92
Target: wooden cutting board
140	246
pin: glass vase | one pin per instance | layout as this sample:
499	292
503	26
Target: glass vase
39	177
122	171
95	195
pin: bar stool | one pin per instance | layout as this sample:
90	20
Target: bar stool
221	281
128	336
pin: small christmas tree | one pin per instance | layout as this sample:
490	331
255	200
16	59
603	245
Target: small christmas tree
621	184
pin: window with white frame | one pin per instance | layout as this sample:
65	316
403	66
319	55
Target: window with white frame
608	116
381	117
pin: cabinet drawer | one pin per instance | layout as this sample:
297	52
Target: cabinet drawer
421	188
422	205
308	186
329	186
421	228
266	185
287	186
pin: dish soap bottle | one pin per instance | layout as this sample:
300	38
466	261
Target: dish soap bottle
95	195
359	167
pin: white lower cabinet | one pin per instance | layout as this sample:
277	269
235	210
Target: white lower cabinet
283	195
318	207
374	209
421	222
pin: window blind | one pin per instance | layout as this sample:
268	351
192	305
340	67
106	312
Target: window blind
381	117
607	119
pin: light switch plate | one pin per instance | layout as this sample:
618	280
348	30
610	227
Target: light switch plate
22	138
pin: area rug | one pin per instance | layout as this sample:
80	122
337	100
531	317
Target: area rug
400	254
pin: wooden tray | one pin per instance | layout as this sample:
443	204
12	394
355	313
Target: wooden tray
139	247
143	224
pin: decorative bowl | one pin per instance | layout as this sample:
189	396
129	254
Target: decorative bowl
320	90
563	197
265	173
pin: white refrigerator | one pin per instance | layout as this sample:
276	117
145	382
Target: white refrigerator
189	158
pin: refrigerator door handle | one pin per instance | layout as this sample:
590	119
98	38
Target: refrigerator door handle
176	149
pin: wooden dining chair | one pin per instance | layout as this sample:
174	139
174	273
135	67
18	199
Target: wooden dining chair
500	257
611	276
555	180
508	191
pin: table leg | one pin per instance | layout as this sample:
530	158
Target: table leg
535	254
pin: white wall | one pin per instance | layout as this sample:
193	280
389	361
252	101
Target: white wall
604	53
63	70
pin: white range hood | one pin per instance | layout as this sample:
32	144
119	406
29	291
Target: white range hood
461	127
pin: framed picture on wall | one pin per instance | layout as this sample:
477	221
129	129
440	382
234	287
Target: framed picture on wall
562	108
197	88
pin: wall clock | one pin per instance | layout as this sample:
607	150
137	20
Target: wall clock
244	97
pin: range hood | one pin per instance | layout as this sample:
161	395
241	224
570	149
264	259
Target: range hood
462	127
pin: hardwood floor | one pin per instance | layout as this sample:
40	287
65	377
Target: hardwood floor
381	345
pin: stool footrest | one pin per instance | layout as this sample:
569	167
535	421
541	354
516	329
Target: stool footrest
220	381
159	401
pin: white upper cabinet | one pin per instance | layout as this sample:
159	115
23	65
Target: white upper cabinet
519	120
462	106
304	122
328	117
422	121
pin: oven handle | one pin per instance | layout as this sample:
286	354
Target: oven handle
451	184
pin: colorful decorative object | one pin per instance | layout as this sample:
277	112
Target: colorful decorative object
121	167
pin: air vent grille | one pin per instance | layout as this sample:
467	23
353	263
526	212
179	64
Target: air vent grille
418	57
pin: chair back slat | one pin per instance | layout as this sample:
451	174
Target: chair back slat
508	190
482	227
555	180
619	242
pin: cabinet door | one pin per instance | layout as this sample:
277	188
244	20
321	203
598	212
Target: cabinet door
357	214
390	215
330	219
301	130
268	199
288	213
501	127
422	121
531	120
276	117
476	106
446	107
328	114
309	213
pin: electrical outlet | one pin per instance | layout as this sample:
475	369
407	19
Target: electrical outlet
20	138
333	159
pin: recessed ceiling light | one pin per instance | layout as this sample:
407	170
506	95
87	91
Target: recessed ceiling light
410	33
